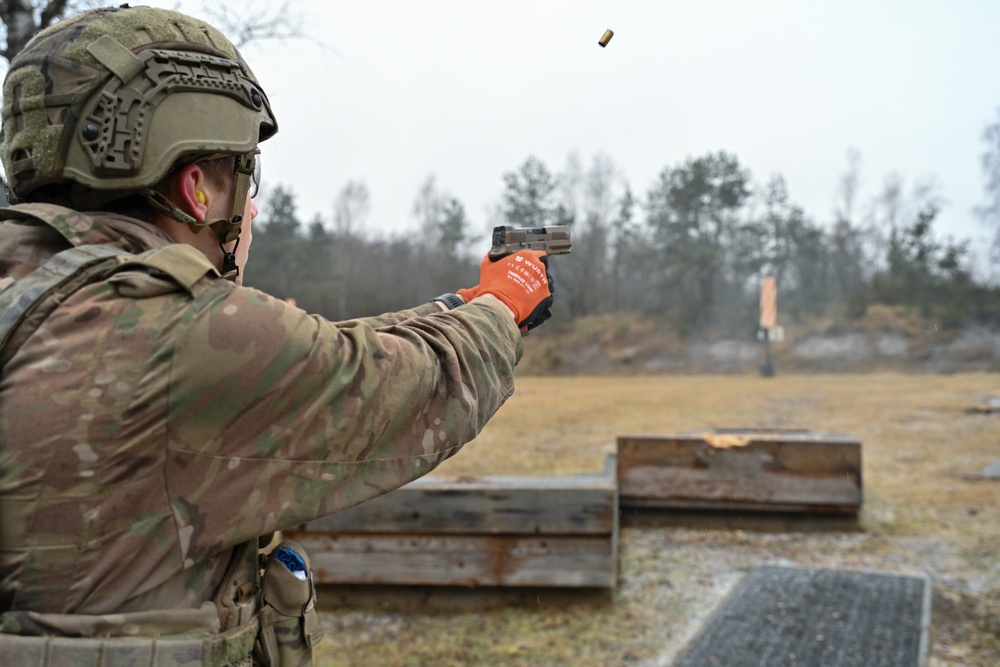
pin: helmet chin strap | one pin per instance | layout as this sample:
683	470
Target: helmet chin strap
227	230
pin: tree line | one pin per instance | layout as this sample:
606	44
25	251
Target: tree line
692	249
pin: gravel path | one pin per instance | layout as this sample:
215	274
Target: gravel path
671	579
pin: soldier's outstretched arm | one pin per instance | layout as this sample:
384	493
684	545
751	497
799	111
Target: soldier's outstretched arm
286	417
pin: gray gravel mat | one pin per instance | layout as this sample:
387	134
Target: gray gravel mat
790	616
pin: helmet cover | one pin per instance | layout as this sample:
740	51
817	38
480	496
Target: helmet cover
107	102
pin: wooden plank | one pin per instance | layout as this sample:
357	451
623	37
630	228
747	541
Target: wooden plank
755	470
478	560
490	531
569	505
421	599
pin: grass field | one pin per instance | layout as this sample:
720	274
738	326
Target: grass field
921	515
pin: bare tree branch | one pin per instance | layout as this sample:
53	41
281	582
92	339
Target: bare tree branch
53	11
990	212
23	18
351	208
253	23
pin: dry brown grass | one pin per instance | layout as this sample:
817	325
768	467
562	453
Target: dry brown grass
921	515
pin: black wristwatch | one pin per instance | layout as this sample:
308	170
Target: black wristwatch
450	300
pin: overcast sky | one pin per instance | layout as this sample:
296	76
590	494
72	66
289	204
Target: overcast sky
468	90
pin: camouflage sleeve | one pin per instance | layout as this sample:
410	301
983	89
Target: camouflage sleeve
388	319
278	417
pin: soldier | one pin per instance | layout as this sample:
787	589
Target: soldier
156	419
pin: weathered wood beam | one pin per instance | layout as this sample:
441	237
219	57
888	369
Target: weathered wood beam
489	531
753	470
454	560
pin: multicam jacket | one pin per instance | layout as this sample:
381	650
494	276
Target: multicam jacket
148	430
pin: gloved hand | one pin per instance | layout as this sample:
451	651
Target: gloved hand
522	282
468	293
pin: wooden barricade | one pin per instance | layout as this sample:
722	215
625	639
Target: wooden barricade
785	471
490	531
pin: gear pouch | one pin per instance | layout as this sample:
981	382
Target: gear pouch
289	626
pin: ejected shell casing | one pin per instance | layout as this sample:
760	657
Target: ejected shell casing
606	37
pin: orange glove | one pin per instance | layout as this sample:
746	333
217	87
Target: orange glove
468	293
522	282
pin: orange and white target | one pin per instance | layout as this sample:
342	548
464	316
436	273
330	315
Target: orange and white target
768	302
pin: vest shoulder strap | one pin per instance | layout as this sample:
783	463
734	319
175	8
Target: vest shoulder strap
25	303
185	264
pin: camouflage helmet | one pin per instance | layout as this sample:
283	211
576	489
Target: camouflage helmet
104	104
